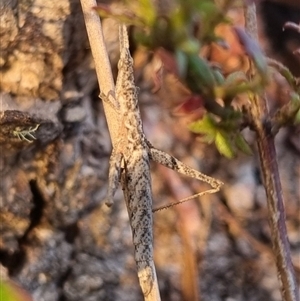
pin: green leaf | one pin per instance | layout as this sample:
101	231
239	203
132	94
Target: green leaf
146	11
126	17
223	145
208	138
297	118
288	113
294	107
242	144
200	72
253	50
7	293
235	78
181	60
205	126
219	78
190	45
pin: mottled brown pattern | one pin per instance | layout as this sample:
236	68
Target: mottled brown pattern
130	160
132	153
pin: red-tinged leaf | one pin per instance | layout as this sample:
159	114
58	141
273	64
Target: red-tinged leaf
157	80
190	104
168	59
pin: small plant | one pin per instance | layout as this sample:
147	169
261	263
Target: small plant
182	31
178	35
25	134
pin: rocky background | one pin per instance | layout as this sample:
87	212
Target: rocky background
58	241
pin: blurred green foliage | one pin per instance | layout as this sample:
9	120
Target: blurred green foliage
7	293
183	29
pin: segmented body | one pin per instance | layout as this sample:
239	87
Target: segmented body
132	154
130	163
136	165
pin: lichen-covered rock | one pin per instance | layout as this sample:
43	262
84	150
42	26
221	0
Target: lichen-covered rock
33	46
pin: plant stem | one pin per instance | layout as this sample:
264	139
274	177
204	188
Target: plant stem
259	115
105	79
102	64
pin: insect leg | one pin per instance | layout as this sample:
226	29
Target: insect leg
176	165
114	175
